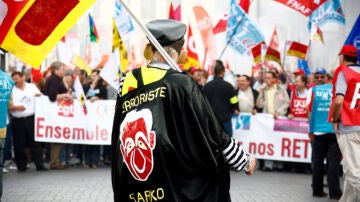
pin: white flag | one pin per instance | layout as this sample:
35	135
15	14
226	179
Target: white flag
79	92
110	72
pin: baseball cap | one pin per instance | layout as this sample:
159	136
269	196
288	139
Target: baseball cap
299	72
320	70
349	50
166	31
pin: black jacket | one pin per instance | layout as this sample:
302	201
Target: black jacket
185	138
219	93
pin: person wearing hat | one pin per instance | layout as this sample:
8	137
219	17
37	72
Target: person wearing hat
346	121
167	143
322	135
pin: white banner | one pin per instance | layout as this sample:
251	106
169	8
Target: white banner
66	121
261	135
266	138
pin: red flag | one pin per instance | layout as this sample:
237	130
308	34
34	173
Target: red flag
192	59
296	49
175	14
245	4
272	54
221	25
30	26
256	52
36	74
274	41
305	7
206	30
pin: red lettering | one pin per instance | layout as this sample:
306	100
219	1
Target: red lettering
66	132
89	135
270	149
39	126
47	129
104	134
296	147
57	132
261	148
285	145
306	142
252	148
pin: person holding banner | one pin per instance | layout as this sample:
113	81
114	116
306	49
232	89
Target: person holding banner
247	96
56	91
346	121
274	100
324	141
167	143
22	110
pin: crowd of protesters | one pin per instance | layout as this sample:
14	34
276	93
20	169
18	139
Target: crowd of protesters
57	82
271	91
301	96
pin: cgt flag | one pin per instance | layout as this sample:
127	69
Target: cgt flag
354	36
192	59
30	29
296	49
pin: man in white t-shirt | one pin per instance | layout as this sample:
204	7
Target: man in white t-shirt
23	110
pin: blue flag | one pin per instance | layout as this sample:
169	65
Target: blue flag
330	11
354	36
302	64
241	32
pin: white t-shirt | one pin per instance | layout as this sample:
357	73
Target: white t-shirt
26	98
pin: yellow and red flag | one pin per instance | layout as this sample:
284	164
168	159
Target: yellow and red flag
192	59
296	49
31	28
273	55
256	52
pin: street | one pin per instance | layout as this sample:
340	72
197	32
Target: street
80	184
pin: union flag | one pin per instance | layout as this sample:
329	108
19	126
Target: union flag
30	29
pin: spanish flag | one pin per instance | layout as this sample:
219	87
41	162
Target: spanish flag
30	29
296	49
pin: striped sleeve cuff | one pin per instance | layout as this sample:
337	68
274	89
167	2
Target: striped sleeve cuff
235	156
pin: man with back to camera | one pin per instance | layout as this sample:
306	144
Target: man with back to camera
166	139
346	121
222	96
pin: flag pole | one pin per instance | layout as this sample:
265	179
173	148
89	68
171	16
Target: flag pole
232	34
152	39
